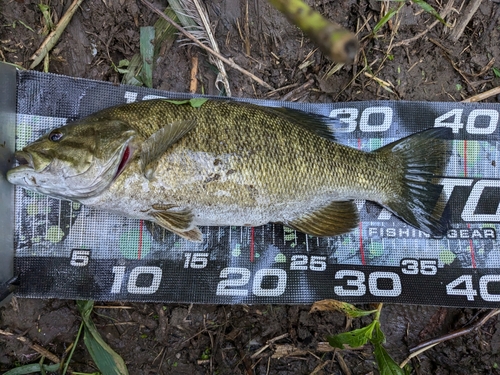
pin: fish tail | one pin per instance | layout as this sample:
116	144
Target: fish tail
419	162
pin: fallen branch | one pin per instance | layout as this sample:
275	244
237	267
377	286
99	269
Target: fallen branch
54	36
334	41
447	9
190	36
483	95
462	24
420	348
44	352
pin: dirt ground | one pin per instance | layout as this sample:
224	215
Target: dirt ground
205	339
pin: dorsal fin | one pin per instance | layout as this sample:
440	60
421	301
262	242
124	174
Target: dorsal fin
317	124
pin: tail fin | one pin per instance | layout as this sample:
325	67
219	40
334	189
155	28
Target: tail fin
421	159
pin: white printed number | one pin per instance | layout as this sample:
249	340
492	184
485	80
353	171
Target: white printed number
453	119
372	119
237	278
303	263
355	284
154	275
79	258
419	266
464	286
195	260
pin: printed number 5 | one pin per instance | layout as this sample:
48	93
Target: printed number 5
80	258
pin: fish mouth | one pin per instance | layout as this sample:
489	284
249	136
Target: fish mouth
24	159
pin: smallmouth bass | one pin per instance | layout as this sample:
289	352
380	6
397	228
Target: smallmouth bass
231	163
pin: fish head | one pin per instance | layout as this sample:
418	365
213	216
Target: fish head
75	161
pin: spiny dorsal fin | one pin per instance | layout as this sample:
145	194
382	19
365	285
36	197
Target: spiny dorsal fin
317	124
336	218
160	141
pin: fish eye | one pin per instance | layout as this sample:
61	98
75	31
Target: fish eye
55	135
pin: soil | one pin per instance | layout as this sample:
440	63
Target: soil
206	339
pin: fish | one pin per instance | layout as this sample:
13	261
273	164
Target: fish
182	164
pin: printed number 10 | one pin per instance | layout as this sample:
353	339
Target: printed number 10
132	287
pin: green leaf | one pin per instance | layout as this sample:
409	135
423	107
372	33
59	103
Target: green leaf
391	13
334	305
131	77
378	336
386	364
496	71
45	9
197	102
123	63
26	26
354	339
146	41
429	9
32	368
106	359
165	33
178	102
194	102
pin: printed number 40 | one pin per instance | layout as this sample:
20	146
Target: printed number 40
453	119
463	286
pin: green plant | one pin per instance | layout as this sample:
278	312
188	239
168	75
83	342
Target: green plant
372	333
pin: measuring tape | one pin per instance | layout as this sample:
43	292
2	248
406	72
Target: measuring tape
65	250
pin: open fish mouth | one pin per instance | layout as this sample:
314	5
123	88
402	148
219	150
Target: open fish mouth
24	160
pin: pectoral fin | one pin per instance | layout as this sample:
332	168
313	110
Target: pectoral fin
160	141
332	220
178	222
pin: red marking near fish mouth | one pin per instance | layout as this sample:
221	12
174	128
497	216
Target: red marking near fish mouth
125	158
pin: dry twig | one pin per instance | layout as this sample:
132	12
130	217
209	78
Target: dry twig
54	36
52	357
452	335
483	95
193	84
269	343
462	23
447	9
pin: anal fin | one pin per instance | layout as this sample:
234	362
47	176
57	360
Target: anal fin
336	218
178	222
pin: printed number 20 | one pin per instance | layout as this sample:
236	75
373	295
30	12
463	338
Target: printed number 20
233	286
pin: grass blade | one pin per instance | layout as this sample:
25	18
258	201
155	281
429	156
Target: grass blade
391	13
132	76
106	359
165	32
147	52
429	9
32	368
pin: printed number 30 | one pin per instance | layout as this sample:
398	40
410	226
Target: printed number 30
355	283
